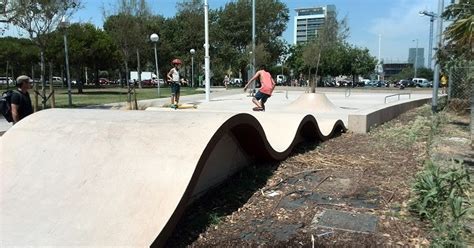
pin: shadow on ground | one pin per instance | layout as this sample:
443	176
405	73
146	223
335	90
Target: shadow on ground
219	202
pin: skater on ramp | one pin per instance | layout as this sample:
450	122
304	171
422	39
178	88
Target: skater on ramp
268	85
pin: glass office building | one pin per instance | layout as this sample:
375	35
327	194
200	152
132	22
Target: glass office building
309	20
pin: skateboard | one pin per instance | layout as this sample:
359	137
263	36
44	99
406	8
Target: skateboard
181	106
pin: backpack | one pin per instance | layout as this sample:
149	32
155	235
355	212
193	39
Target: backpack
5	105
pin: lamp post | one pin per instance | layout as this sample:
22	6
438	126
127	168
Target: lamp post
416	57
207	59
155	38
439	26
253	42
432	16
65	23
192	51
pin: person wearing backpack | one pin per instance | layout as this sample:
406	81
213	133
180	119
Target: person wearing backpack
20	101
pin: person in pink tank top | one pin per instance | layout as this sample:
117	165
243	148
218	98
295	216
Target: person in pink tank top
265	91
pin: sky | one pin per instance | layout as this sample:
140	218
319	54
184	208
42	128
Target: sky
397	21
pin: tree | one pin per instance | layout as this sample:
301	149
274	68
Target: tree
325	49
358	62
88	47
39	18
127	28
458	35
17	56
295	58
234	25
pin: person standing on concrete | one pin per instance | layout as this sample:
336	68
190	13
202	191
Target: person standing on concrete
21	102
226	81
265	91
173	78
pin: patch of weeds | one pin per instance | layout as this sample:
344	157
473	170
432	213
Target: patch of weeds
441	196
407	134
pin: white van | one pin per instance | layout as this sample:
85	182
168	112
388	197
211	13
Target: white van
421	82
281	80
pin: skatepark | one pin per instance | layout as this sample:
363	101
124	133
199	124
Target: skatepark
113	177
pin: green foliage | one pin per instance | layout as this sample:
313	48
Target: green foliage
441	196
458	35
20	54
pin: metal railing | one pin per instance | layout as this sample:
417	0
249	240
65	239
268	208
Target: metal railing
398	95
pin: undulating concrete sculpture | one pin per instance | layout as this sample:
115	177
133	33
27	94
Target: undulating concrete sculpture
124	178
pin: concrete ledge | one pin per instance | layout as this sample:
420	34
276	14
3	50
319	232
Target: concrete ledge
363	121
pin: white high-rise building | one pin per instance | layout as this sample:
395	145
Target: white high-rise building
309	20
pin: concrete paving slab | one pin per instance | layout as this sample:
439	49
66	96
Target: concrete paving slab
347	221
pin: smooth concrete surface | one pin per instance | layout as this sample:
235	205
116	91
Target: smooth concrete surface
362	121
123	178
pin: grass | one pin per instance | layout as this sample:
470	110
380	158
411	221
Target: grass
97	96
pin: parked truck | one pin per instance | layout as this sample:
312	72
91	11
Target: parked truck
148	78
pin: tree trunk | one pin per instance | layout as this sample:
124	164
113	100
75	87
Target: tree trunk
51	86
129	96
6	75
35	88
81	83
43	80
139	70
313	86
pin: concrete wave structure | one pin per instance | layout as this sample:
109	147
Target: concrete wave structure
318	102
124	178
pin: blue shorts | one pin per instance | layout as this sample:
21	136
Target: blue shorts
175	88
261	96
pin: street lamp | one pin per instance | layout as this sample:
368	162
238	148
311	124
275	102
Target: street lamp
253	42
192	51
416	57
207	58
155	38
65	24
432	16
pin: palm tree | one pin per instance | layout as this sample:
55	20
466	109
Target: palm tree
458	34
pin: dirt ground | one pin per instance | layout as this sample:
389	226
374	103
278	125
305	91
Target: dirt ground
275	204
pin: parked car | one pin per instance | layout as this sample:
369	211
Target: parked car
5	80
404	82
237	82
104	81
422	82
56	81
375	83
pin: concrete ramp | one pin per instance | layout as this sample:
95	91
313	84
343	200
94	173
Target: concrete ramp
124	178
313	102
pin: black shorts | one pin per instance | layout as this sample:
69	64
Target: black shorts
175	88
261	96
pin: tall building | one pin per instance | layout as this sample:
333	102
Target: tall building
420	55
391	69
309	20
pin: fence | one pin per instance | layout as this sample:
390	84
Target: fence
460	83
461	92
